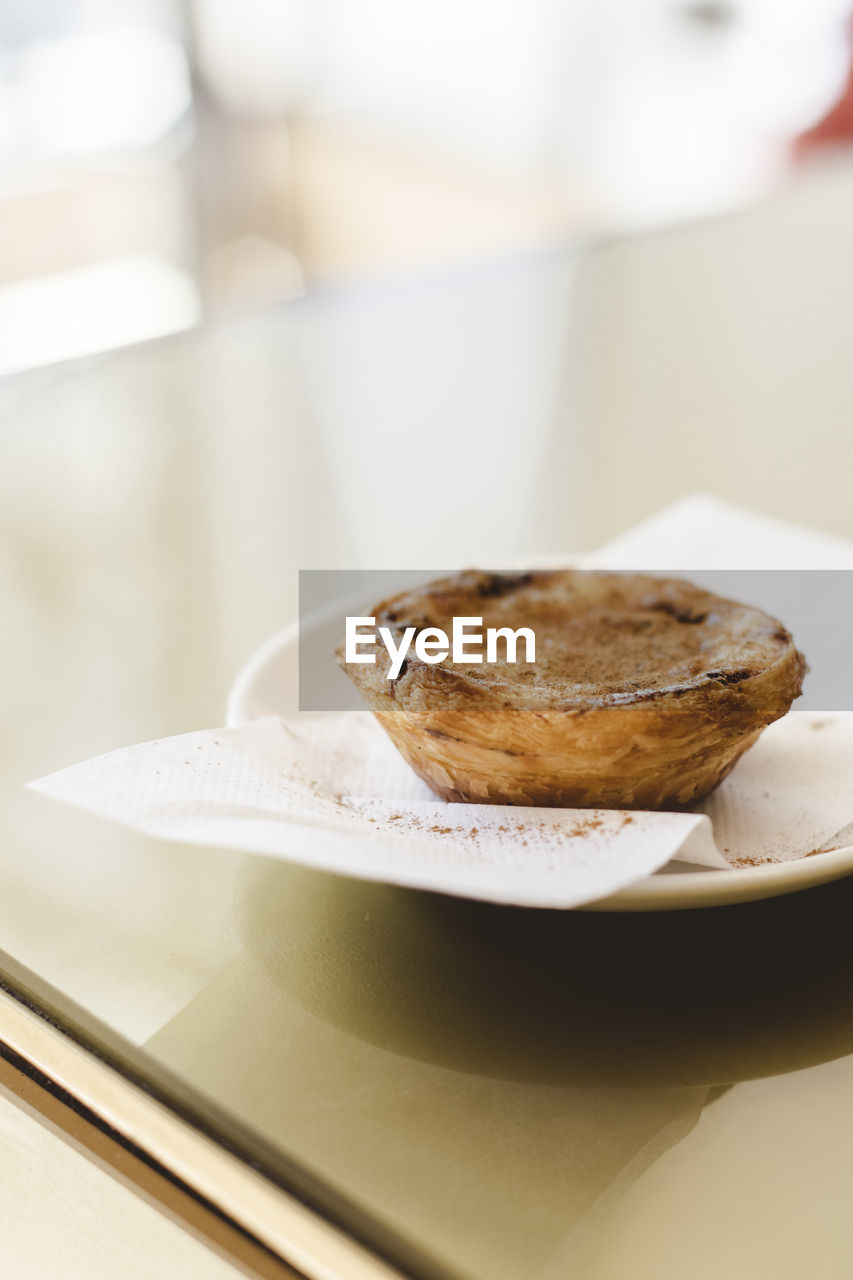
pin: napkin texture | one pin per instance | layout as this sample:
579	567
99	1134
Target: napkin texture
331	792
334	794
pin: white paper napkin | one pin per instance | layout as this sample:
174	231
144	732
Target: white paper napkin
704	532
333	793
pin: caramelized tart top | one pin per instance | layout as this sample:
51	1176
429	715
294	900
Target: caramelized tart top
602	639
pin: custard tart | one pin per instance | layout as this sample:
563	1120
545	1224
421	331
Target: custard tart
643	694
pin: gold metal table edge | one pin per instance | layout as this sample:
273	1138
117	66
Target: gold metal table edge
244	1216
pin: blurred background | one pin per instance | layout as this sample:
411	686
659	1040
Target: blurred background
163	160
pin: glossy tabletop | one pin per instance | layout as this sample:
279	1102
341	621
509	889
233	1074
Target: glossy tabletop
513	1093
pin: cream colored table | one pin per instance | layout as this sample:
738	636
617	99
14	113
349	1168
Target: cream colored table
327	1078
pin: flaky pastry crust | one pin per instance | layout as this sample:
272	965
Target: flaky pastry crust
644	694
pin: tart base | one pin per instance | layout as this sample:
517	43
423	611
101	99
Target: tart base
616	775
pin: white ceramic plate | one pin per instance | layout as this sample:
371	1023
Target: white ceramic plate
269	685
